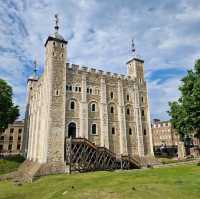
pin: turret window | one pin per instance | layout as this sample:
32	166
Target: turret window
113	130
142	113
111	95
130	131
127	97
94	129
112	109
93	107
72	105
128	111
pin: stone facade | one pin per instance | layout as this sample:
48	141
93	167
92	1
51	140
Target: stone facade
11	139
110	110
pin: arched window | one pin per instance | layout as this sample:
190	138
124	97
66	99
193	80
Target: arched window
90	91
127	97
93	107
94	129
111	95
70	88
112	109
143	113
72	105
130	131
128	111
145	132
113	130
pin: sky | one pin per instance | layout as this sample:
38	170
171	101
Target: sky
99	34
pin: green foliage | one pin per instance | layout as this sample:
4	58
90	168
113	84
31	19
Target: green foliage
168	183
10	163
8	111
185	114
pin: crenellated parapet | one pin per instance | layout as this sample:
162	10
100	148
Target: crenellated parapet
99	73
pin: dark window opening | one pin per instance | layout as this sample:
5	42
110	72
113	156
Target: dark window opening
79	89
94	128
145	132
127	97
1	147
11	138
2	138
93	108
10	147
20	131
18	147
70	88
111	95
19	138
67	87
11	130
113	130
72	105
142	112
142	99
90	91
112	109
128	111
130	131
76	89
87	90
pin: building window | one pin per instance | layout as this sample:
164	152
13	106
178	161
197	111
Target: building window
1	148
76	89
143	113
127	97
67	87
2	138
93	107
72	105
88	90
113	130
62	45
70	88
111	95
54	43
94	129
18	147
142	99
10	147
79	89
145	132
130	131
20	131
112	109
11	138
19	138
128	111
11	130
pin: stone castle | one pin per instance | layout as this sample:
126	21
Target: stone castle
67	100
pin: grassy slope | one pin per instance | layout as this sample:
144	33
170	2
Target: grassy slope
10	164
182	182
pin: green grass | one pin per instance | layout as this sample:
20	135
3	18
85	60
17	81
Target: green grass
10	164
182	182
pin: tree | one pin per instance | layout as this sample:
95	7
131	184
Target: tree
8	111
185	113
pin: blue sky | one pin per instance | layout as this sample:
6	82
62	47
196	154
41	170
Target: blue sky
99	32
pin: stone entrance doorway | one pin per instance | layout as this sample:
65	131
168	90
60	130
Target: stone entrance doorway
72	130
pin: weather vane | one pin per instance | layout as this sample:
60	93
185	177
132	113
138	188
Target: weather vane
133	50
56	22
35	68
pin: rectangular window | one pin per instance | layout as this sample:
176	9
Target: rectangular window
94	129
20	131
1	148
10	147
18	147
11	138
19	138
2	138
11	130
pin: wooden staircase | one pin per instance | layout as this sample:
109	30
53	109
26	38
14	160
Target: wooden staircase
82	155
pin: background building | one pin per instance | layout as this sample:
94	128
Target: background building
165	138
11	139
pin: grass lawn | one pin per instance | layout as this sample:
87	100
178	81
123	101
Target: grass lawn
10	164
180	182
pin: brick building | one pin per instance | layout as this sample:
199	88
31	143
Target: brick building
11	139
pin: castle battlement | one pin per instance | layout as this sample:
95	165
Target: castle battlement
78	68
